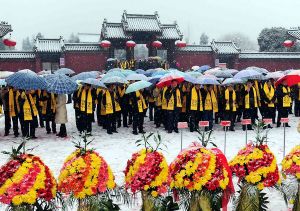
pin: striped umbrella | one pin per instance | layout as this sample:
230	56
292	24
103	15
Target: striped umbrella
26	80
64	71
60	84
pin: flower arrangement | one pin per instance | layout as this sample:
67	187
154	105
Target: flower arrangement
202	171
26	182
291	185
256	167
86	178
147	172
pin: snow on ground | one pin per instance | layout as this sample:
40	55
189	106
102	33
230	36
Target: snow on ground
117	148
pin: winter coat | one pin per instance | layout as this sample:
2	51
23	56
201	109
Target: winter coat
61	116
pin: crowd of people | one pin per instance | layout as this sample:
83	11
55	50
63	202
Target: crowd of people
111	108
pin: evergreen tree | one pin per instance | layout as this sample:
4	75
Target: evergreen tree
203	39
242	41
74	38
27	45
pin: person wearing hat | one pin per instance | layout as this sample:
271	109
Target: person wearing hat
268	100
173	105
250	103
283	102
230	106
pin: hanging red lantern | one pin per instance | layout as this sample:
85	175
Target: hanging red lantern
180	44
9	42
105	44
156	44
288	43
130	44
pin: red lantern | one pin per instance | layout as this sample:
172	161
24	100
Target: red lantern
130	44
288	43
180	44
156	44
9	42
105	44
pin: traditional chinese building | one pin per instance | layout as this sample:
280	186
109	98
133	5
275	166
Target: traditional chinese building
50	54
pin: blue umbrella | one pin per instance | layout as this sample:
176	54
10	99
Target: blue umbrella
140	71
258	69
137	77
175	72
115	69
2	82
232	81
191	79
154	79
85	75
114	80
223	74
114	73
127	72
208	81
159	72
248	74
194	74
65	71
60	84
137	86
26	81
94	82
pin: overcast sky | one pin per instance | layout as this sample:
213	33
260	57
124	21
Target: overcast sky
214	17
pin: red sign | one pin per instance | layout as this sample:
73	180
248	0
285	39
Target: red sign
267	121
182	125
246	122
284	120
225	123
203	123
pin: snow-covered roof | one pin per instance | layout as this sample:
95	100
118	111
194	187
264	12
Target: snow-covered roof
269	55
131	23
295	33
49	45
17	55
196	48
224	47
82	47
4	29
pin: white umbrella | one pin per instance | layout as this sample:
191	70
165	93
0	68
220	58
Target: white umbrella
275	75
232	81
5	74
137	77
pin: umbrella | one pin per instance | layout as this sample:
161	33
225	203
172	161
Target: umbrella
194	74
175	72
140	71
137	86
232	81
127	72
2	82
258	69
60	84
207	80
291	78
5	74
94	82
85	75
115	69
114	80
26	71
167	80
26	81
191	79
195	68
114	73
224	74
248	74
275	75
159	72
154	79
201	69
212	71
137	77
233	71
287	71
65	71
111	59
44	72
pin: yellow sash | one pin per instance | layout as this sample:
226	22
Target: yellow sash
140	101
44	108
11	102
247	99
257	92
269	93
28	105
211	102
170	103
164	100
89	102
286	101
195	100
109	106
228	100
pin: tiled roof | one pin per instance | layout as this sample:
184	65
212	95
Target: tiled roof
295	33
269	55
113	31
196	48
4	29
17	55
49	45
137	22
224	47
82	47
170	31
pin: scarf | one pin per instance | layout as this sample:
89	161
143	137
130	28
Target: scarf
86	103
233	99
286	101
269	93
28	105
247	98
11	101
195	100
211	102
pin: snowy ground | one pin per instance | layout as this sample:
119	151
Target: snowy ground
117	148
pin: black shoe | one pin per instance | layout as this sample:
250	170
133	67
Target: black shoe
114	131
269	126
33	137
176	131
134	132
142	131
59	134
48	132
6	134
157	126
54	132
287	125
278	124
63	135
110	133
169	131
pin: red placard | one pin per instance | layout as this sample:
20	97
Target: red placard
203	123
267	121
225	123
284	120
182	125
246	122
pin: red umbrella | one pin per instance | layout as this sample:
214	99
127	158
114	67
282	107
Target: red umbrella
291	79
166	81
